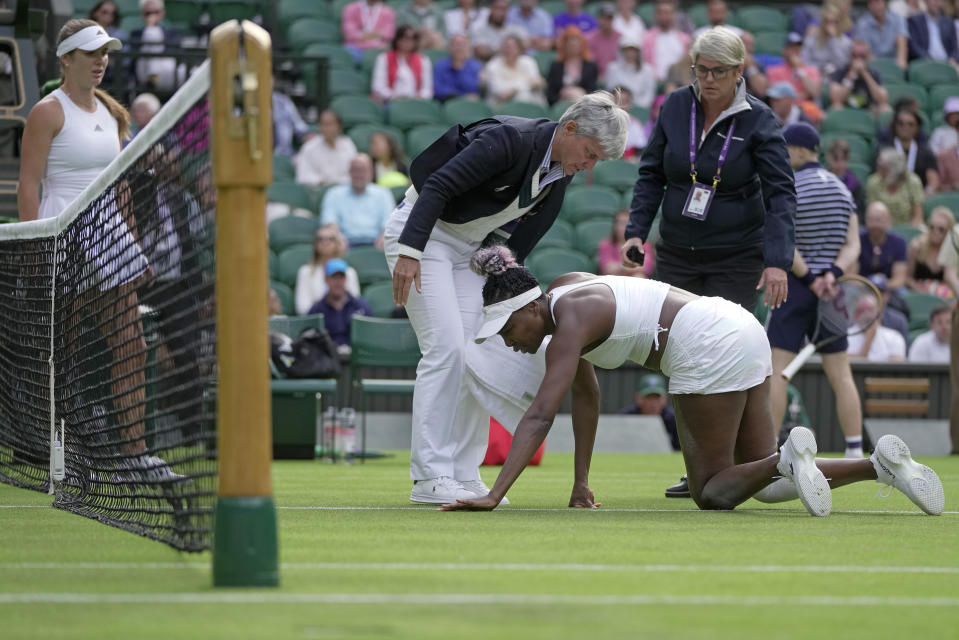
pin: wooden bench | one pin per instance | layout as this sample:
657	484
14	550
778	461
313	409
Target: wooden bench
896	397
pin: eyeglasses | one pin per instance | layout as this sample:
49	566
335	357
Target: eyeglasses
325	239
934	227
150	12
906	123
718	73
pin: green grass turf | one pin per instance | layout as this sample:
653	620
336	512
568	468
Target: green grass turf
643	566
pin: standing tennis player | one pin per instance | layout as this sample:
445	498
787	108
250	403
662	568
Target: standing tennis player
498	180
827	244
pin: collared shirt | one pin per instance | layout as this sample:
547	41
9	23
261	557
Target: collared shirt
318	163
449	81
287	123
538	24
823	209
554	170
936	50
337	321
881	38
361	217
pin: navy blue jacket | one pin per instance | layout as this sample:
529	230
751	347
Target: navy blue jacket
337	321
755	202
477	171
919	36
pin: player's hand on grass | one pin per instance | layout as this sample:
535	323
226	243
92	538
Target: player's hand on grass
582	498
485	503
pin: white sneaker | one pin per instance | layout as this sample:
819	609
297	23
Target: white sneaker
797	461
442	490
480	490
895	467
146	469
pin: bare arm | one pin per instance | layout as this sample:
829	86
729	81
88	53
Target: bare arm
849	252
43	125
900	274
902	52
951	278
585	419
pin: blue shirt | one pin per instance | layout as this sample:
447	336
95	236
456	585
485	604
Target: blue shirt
449	82
361	217
287	123
881	39
337	321
539	24
584	21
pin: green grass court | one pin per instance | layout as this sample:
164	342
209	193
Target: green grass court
359	561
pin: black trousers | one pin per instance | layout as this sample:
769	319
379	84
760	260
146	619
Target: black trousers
731	273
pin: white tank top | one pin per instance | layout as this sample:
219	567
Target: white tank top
86	144
638	304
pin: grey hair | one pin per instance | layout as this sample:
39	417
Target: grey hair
598	116
159	3
719	43
148	100
895	164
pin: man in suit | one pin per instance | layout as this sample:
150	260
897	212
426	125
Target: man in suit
157	74
932	35
499	180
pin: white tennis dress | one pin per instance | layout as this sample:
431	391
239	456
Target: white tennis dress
83	148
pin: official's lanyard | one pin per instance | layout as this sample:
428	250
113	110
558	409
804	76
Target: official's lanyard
692	147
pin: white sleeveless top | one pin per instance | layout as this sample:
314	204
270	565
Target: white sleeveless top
86	144
638	304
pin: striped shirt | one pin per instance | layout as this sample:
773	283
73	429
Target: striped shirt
823	208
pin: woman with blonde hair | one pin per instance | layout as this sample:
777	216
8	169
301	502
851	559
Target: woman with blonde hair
827	47
328	243
511	75
925	272
573	74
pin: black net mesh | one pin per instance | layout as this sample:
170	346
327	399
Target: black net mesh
134	340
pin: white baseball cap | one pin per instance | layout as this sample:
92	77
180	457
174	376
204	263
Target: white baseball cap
496	315
88	39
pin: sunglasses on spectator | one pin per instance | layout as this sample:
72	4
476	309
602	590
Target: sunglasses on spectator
150	12
935	227
907	123
718	73
325	239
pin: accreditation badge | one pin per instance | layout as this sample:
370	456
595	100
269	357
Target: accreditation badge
698	201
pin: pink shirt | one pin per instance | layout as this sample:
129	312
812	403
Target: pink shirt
608	252
360	17
784	73
604	48
949	169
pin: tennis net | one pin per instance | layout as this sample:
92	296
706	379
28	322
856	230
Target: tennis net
107	352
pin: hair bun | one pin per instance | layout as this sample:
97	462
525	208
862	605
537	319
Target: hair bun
493	261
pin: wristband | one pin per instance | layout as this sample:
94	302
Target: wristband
807	279
836	271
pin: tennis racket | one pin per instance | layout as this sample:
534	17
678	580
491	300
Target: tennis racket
852	308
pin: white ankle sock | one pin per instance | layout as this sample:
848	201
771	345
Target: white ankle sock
854	447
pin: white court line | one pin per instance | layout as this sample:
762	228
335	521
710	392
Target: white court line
463	599
495	566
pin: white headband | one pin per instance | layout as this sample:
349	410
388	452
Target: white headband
496	315
88	39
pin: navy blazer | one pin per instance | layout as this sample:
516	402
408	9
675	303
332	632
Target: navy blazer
479	170
919	36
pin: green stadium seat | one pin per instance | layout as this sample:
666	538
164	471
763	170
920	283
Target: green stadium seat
919	305
290	10
435	55
770	43
627	202
697	13
544	60
83	7
464	111
406	113
291	230
354	110
590	233
907	231
380	297
560	234
931	72
272	260
640	112
859	150
336	8
182	12
553	7
889	71
370	264
360	134
368	60
290	261
858	121
522	109
418	138
295	195
549	263
583	203
347	82
756	18
283	170
916	91
337	57
948	199
937	98
222	10
399	192
557	110
380	342
285	293
618	174
646	11
128	7
305	31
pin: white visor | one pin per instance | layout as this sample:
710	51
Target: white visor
496	315
88	39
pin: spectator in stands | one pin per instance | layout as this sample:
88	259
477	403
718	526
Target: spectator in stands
782	100
487	35
388	157
627	23
636	137
158	74
325	159
857	85
651	399
754	71
142	110
933	345
946	136
897	188
609	257
894	309
924	273
882	250
367	24
603	42
907	8
573	74
804	78
359	208
932	35
339	305
949	259
574	16
718	14
402	71
107	15
904	135
274	306
629	71
664	44
427	18
462	18
328	244
512	76
287	124
877	343
536	21
885	32
825	46
906	102
457	76
837	161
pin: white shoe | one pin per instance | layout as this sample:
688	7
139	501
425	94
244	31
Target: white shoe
442	490
895	467
480	490
797	461
147	469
